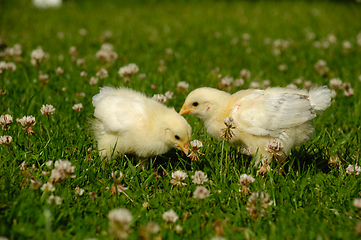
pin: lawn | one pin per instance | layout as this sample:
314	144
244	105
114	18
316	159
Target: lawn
54	56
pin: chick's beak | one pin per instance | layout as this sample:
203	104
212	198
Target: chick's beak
185	110
184	148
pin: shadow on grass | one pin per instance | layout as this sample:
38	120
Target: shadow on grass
308	158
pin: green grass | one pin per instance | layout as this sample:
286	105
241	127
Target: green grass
311	200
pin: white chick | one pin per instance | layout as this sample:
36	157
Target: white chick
266	123
127	122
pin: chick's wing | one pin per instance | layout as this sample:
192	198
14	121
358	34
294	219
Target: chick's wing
263	114
119	114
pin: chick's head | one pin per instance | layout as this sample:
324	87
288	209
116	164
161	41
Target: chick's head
178	132
203	102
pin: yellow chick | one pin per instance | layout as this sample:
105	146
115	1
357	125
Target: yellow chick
127	122
264	122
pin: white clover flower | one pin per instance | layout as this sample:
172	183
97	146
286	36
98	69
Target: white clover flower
178	229
234	40
168	51
81	62
282	67
258	201
56	176
335	83
35	184
129	69
38	55
93	80
227	133
107	47
49	164
26	121
218	238
6	120
266	83
179	175
169	95
83	32
60	35
227	81
348	89
83	74
274	146
246	36
5	140
245	74
102	73
54	199
152	227
159	98
47	3
78	107
299	81
331	38
142	76
276	51
321	67
47	110
195	146
120	216
3	65
201	193
23	166
44	78
72	51
11	66
93	195
102	55
346	45
245	179
62	170
238	82
182	86
264	169
106	53
79	191
170	216
47	187
308	84
349	92
291	86
64	166
357	203
59	71
353	169
199	178
254	85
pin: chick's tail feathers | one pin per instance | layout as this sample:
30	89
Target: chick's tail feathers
320	98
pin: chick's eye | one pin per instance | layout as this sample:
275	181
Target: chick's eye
177	137
195	104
